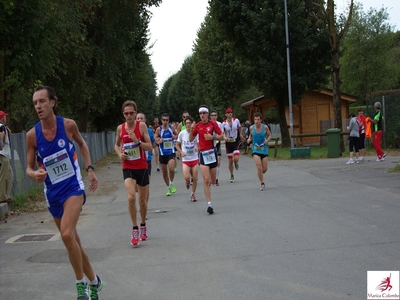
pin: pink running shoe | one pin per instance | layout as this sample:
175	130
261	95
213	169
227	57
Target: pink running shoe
135	237
193	197
143	233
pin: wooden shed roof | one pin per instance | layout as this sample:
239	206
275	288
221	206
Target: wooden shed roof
328	92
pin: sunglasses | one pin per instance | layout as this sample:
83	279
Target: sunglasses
129	113
165	120
184	117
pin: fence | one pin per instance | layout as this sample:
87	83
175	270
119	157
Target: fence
100	144
391	113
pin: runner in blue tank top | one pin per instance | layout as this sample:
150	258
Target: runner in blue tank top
259	137
164	137
50	142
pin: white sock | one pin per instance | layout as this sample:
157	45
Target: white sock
83	280
95	281
209	203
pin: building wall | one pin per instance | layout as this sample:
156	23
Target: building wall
314	107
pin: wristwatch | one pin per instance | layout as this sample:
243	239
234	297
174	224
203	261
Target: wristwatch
89	167
140	142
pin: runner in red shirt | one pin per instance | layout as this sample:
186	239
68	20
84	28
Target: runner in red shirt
131	141
207	152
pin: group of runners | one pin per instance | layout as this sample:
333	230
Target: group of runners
52	160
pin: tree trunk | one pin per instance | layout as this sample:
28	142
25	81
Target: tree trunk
337	105
282	123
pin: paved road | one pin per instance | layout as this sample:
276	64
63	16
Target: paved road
313	234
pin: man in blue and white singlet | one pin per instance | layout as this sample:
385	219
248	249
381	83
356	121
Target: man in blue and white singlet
164	137
259	137
52	160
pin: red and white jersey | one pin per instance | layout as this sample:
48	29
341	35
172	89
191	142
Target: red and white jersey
231	131
203	128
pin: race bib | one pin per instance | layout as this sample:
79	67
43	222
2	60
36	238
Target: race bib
231	140
168	144
209	156
132	150
189	150
58	166
259	147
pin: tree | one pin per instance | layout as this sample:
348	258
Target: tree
336	30
257	31
368	62
92	52
220	73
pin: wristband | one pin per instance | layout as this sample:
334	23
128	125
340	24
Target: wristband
89	167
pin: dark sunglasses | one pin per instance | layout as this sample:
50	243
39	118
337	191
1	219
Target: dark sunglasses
184	117
129	113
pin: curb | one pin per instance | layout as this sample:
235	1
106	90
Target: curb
4	209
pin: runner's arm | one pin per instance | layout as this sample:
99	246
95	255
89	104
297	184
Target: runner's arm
146	143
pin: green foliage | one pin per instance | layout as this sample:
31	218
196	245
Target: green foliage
369	63
220	72
256	31
92	52
272	115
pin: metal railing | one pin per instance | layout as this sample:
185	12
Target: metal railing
100	144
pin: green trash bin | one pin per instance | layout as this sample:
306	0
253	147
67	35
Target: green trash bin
333	139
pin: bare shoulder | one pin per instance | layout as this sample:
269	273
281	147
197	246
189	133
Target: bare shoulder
31	133
70	124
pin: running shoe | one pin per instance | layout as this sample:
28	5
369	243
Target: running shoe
232	178
143	233
262	187
135	237
210	208
216	182
173	188
378	159
350	162
168	193
83	291
193	197
361	158
191	180
236	166
187	184
383	156
158	169
357	161
95	288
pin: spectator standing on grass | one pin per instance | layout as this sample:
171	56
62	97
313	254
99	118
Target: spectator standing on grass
354	136
362	122
6	173
377	122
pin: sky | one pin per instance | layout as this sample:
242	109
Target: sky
174	26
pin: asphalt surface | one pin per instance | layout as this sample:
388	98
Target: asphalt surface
313	234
